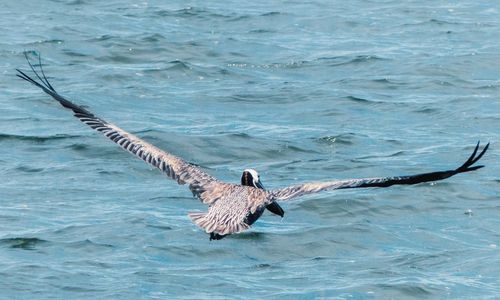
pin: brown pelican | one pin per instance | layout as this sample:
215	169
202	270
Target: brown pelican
233	208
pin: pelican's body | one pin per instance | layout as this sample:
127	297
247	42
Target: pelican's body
232	208
236	211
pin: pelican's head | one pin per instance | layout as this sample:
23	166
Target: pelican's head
250	177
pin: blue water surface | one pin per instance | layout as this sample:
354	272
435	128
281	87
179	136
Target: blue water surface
300	91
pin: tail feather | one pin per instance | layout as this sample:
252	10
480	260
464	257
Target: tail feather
199	219
210	225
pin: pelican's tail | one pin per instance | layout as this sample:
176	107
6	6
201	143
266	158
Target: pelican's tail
210	225
199	219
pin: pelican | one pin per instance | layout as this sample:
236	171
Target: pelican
232	208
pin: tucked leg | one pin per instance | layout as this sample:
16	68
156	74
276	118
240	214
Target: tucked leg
216	236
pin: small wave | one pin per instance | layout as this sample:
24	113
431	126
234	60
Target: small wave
261	31
344	60
70	229
427	111
103	37
343	139
249	98
442	83
296	149
153	38
259	98
76	2
321	258
161	227
284	150
125	59
395	154
434	21
74	53
39	139
22	243
388	81
357	99
286	65
78	147
178	65
27	169
192	12
443	22
262	266
365	58
423	260
185	69
413	290
322	61
50	41
88	244
242	135
360	100
239	18
270	14
108	172
492	86
183	12
79	289
382	80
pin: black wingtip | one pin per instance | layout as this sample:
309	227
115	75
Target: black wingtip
473	168
44	82
24	76
45	85
43	73
481	154
471	157
467	166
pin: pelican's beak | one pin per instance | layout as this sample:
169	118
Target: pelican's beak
259	185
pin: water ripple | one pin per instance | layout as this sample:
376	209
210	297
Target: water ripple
305	91
36	139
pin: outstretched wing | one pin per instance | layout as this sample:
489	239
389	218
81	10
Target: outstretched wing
314	187
200	183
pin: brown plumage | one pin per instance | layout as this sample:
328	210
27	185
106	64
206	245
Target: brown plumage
233	208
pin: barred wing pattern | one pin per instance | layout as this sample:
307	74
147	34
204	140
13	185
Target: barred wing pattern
199	182
314	187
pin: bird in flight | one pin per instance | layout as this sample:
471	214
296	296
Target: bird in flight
232	208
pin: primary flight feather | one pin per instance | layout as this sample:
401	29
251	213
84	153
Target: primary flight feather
232	208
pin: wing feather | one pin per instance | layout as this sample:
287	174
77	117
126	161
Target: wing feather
314	187
173	166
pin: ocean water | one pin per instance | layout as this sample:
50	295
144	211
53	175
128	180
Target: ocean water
300	91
